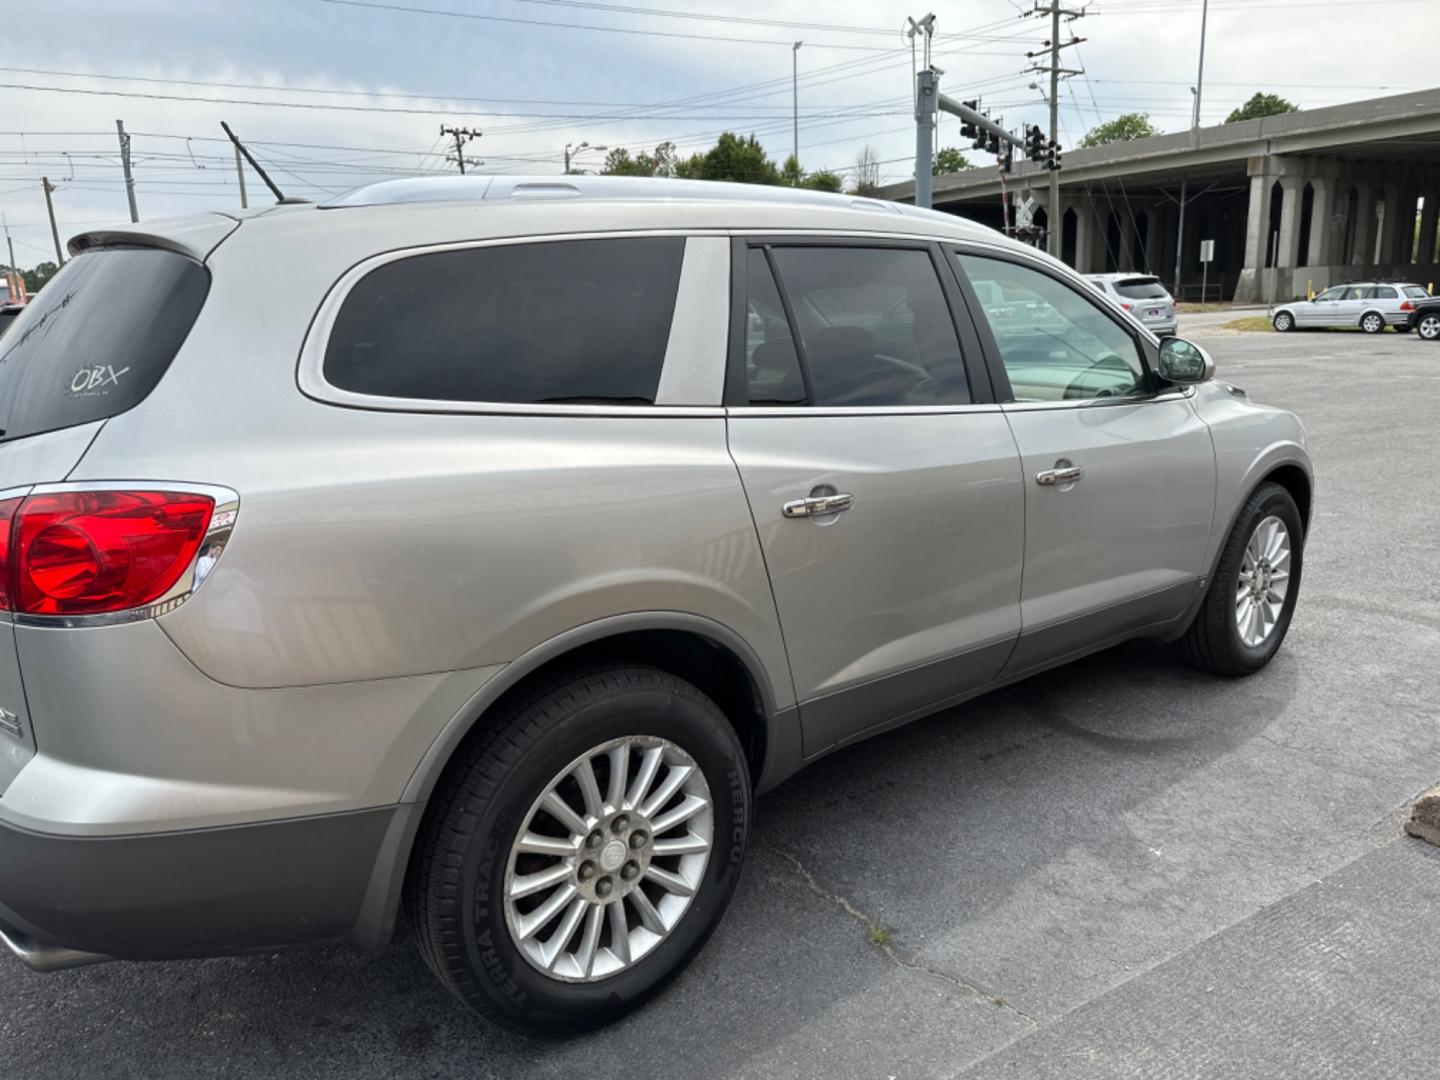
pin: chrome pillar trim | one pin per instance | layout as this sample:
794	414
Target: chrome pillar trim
694	368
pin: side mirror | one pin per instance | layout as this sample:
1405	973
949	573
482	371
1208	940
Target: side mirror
1184	363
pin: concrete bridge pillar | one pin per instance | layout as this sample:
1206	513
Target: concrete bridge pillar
1398	228
1085	226
1257	222
1428	218
1287	254
1362	209
1126	260
1320	250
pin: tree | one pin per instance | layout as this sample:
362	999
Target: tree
732	158
790	173
867	173
661	163
823	180
36	278
1121	129
1262	105
951	160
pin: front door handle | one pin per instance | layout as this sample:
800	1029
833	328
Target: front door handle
817	505
1062	473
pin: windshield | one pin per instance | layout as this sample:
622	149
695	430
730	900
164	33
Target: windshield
97	338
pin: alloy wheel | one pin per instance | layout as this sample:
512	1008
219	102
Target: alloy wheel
1372	324
608	858
1264	582
1429	327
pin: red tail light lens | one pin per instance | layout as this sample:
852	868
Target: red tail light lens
7	515
92	552
1128	307
1407	306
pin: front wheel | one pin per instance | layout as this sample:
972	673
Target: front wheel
1247	608
1372	323
582	849
1284	322
1429	327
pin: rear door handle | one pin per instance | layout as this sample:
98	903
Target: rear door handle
817	505
1063	473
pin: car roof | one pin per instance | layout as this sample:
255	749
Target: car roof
1117	276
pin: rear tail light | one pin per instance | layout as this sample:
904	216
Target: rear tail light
98	552
1407	306
1128	307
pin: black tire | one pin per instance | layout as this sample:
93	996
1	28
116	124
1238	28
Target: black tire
1284	322
1213	640
456	878
1372	322
1427	327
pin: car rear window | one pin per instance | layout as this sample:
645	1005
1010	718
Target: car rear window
1415	292
564	322
97	338
1141	288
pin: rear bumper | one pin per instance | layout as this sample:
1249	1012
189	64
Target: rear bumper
67	900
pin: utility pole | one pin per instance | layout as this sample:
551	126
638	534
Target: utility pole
125	163
461	137
17	286
1185	180
795	99
240	172
54	231
578	150
1055	219
927	103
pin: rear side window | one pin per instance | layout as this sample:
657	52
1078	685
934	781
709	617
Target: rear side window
874	326
1415	292
1144	288
98	337
569	322
1380	292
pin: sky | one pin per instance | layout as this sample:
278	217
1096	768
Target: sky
333	94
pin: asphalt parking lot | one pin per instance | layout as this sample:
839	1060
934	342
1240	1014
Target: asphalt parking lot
1124	868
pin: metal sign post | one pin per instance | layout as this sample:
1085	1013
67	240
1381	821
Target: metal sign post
1207	256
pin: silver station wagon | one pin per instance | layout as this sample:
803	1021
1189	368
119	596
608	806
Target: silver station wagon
1370	305
481	546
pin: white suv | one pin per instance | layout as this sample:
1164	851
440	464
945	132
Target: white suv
1142	296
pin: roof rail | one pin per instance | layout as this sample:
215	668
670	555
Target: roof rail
495	188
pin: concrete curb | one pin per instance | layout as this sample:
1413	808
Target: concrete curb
1425	818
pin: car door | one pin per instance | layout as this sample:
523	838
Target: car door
1318	311
1119	470
1351	305
882	477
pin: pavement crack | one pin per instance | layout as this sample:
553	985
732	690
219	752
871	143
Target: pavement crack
907	959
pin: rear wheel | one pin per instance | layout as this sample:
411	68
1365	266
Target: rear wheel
1247	608
1284	322
1429	327
582	850
1372	322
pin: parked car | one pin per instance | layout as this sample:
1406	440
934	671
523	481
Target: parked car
589	509
1425	318
1370	305
1143	296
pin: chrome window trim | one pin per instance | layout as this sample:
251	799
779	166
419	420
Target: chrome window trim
310	373
1180	393
222	523
745	411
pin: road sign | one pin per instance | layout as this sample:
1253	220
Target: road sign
1207	251
1025	212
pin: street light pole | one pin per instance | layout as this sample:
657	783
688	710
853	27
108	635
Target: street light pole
795	97
578	150
1185	181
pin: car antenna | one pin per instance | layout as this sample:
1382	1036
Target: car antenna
280	196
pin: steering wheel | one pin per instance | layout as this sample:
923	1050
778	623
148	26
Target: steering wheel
1077	388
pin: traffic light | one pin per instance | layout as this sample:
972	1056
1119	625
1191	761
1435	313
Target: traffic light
1052	157
993	145
1035	144
968	128
1007	163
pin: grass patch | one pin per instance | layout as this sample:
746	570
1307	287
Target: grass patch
1192	308
1249	324
879	935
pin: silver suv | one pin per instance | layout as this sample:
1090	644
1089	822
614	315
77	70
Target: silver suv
1143	296
483	546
